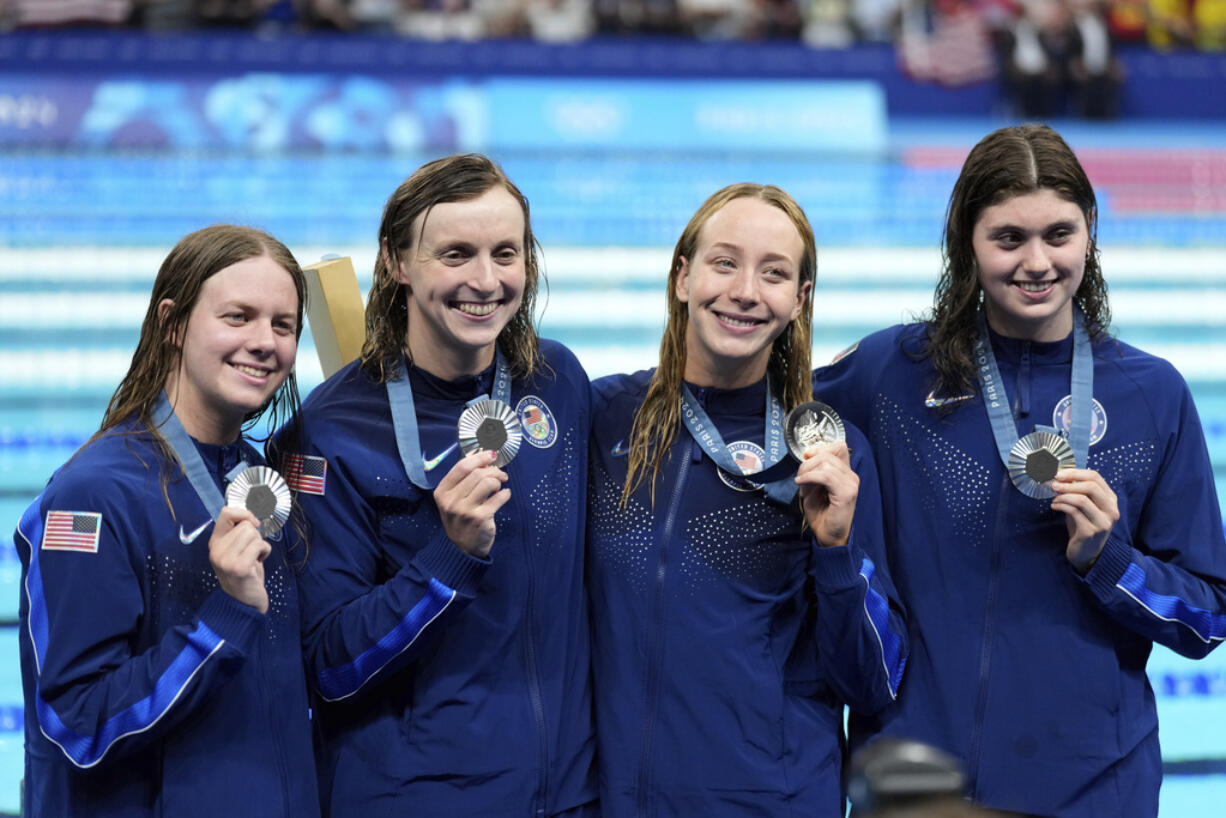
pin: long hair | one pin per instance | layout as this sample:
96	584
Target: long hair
191	262
658	418
1008	162
450	179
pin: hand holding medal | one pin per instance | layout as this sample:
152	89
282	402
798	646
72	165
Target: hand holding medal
471	493
237	551
829	487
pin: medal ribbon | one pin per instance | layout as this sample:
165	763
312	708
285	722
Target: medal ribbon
708	438
1081	412
404	415
171	429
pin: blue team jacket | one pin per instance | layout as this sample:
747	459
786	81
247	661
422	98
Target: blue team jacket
726	642
148	690
1030	674
447	684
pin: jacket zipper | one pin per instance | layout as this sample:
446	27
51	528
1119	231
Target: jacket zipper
273	728
655	657
1021	407
530	659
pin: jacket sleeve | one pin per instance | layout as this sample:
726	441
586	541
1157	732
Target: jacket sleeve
364	617
1165	576
861	625
95	697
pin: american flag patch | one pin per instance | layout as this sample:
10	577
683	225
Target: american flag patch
72	531
306	473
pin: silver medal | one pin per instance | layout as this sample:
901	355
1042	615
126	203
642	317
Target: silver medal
490	426
1034	461
809	425
264	493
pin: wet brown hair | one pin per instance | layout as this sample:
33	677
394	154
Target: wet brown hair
196	258
1008	162
450	179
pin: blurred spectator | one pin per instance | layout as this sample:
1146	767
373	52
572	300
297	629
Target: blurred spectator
876	20
337	14
740	19
559	21
775	20
1127	20
1095	73
827	24
180	15
41	13
1209	18
439	20
637	16
714	19
1170	24
1037	59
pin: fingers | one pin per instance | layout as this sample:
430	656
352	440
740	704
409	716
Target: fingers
471	482
467	498
1085	491
1091	509
237	553
829	466
828	489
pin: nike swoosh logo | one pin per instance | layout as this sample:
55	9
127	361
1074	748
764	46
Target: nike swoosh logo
433	462
620	450
187	539
933	402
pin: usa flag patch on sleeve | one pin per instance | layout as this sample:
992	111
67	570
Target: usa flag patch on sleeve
306	473
72	531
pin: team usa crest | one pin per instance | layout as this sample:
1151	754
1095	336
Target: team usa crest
750	457
1062	419
540	427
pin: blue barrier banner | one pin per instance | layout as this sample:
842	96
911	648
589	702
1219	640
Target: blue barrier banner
742	115
261	112
265	112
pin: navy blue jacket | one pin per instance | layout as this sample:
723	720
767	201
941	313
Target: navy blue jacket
448	684
148	690
726	642
1033	676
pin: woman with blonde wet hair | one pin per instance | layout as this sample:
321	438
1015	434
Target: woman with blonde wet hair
735	610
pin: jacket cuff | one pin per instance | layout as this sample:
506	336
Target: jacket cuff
1110	566
450	565
237	623
835	568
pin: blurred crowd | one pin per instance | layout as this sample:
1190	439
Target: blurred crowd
1051	56
1162	24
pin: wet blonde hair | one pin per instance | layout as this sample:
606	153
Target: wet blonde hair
658	418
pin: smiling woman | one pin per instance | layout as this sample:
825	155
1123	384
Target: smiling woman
732	618
147	655
445	622
1055	493
237	349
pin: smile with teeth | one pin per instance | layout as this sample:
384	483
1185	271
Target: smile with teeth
251	370
1034	286
733	321
479	310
